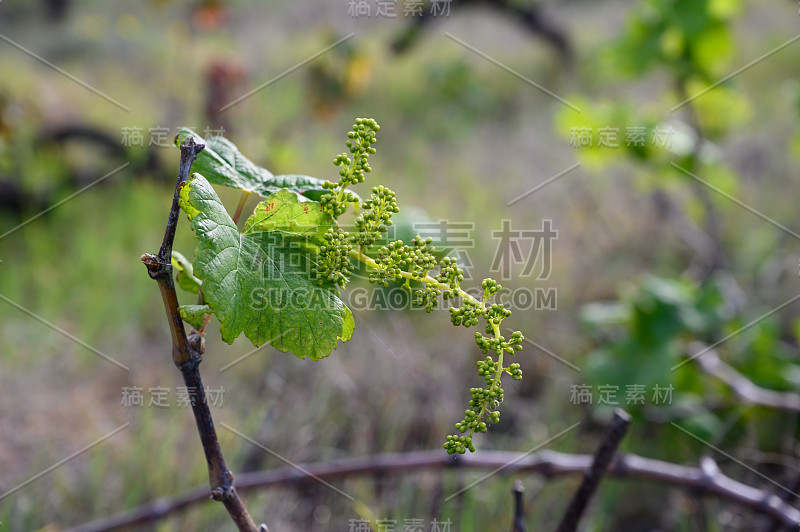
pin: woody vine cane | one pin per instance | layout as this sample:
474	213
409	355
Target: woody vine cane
187	354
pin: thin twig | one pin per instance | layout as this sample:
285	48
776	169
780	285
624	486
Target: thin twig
748	391
518	491
240	206
593	476
187	353
743	387
530	17
711	222
547	463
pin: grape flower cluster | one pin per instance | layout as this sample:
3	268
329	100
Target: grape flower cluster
415	266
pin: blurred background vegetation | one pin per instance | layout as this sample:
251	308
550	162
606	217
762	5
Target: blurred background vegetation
652	252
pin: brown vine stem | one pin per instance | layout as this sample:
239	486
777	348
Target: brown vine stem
518	524
240	206
187	353
709	361
550	464
594	474
775	524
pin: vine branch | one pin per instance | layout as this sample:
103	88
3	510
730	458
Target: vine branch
594	474
743	387
706	480
775	524
518	524
187	353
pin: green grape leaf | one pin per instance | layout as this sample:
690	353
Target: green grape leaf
284	213
308	186
223	164
258	281
194	315
185	276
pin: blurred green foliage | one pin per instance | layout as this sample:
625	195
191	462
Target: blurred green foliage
648	330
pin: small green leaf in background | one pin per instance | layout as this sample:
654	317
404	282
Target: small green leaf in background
222	164
604	313
194	315
258	281
642	335
185	276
